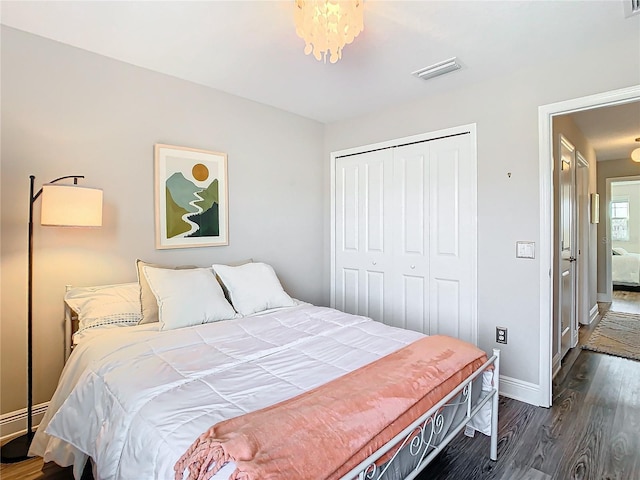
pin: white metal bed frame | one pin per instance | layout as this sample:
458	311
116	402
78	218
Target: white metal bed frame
420	435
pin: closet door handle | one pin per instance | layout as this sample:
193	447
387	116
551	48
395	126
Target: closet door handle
413	267
374	262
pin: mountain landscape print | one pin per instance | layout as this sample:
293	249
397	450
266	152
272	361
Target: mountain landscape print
191	210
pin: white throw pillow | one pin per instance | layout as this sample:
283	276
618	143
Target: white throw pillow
148	302
105	305
253	287
187	297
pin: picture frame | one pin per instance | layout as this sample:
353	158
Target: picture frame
595	208
191	197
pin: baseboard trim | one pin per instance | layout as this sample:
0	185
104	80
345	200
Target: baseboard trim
519	390
14	423
603	297
593	314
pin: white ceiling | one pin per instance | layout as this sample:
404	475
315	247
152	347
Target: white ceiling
250	48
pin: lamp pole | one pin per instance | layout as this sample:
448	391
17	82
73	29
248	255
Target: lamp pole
17	449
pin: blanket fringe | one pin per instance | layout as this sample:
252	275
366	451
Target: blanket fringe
203	459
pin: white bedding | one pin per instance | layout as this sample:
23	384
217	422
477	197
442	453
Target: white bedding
143	396
625	269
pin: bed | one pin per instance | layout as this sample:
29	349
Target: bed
625	267
135	399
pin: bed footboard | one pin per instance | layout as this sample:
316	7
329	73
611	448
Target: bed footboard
420	438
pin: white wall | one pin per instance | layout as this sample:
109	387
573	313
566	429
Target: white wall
505	109
66	111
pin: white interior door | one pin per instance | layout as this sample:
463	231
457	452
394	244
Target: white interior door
405	230
362	236
584	247
567	247
453	230
410	219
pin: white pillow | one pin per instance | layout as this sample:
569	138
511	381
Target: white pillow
148	302
105	305
187	297
253	287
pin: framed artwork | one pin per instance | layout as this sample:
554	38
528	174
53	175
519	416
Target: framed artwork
595	208
191	200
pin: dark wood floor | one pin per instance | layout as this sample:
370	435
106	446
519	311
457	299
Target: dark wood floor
591	432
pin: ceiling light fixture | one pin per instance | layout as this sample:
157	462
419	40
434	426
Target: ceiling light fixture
326	26
635	155
436	69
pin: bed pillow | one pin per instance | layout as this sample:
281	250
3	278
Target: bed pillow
187	297
105	305
148	302
619	251
253	287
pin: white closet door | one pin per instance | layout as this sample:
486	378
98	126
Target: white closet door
362	235
452	232
405	236
409	223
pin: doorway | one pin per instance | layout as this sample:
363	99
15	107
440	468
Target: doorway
546	115
624	227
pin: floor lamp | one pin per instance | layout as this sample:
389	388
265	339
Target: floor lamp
62	205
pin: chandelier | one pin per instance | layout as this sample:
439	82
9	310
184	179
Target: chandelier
327	26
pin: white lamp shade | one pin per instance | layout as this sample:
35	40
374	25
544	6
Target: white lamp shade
71	206
635	155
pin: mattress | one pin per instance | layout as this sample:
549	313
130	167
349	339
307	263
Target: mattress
134	399
625	269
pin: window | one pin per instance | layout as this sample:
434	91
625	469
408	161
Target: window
620	220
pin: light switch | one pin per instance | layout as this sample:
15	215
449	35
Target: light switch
525	250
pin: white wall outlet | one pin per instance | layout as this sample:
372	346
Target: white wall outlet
501	335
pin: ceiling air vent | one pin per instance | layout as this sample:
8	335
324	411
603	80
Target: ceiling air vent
631	7
439	68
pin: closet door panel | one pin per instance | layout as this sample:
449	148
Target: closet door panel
447	308
452	236
411	237
374	301
350	288
414	311
412	191
362	243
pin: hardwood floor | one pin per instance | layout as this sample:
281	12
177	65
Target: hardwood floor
592	432
626	301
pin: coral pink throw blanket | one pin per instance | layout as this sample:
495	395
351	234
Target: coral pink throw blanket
325	432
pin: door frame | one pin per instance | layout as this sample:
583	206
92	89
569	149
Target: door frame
583	315
608	267
569	147
545	139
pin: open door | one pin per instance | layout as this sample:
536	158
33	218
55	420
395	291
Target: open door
568	247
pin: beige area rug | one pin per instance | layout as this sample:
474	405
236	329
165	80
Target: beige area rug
617	334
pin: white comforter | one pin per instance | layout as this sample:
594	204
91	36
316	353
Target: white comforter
625	269
134	399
